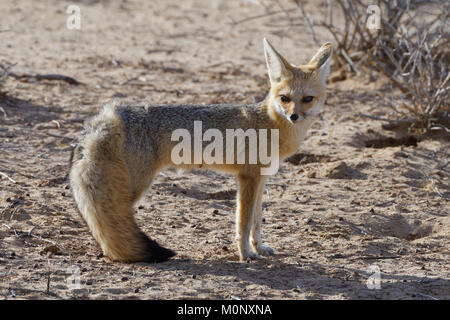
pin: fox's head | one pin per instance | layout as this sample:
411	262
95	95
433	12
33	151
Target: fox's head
297	92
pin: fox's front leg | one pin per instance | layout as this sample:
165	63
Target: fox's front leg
248	195
256	239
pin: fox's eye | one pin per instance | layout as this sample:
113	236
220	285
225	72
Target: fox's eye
307	99
284	98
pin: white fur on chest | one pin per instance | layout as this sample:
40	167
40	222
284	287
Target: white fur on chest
297	134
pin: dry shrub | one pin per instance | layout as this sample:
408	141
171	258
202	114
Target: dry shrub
410	47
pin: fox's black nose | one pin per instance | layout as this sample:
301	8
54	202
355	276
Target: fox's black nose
294	117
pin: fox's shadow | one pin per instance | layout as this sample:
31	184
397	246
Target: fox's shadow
310	277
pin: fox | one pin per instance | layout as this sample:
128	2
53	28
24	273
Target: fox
124	146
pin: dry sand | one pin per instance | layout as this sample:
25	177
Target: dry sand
335	209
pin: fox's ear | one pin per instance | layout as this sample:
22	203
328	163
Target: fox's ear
277	66
322	60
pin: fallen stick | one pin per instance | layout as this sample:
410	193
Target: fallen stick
7	177
259	16
4	112
428	296
362	115
56	77
51	76
377	258
436	188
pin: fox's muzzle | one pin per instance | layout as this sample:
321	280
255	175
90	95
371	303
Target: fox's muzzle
294	117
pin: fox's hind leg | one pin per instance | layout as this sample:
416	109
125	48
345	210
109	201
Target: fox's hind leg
100	183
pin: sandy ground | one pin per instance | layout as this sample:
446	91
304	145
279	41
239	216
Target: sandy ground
336	212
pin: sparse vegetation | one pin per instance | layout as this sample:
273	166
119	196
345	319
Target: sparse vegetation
353	197
409	46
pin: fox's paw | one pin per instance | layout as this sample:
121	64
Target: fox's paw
250	256
265	250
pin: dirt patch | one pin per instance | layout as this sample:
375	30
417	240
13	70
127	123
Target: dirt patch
397	226
342	170
339	206
305	158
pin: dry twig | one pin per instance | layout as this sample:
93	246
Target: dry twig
7	177
410	48
27	77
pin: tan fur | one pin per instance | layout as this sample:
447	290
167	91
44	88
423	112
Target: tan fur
125	146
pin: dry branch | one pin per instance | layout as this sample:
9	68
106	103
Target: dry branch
27	77
7	177
411	48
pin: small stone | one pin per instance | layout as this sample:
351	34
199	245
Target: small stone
311	174
308	220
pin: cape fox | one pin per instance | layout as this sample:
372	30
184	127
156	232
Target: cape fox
123	147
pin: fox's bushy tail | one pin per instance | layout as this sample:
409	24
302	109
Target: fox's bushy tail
100	183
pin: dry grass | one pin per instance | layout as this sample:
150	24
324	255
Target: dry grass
410	47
